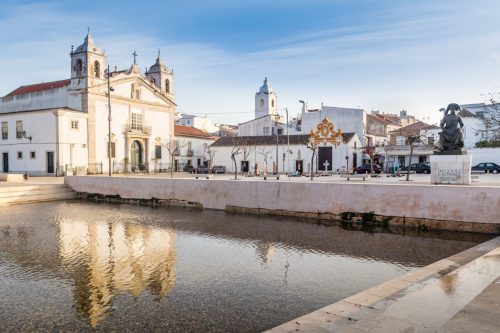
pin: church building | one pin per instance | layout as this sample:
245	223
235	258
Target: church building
62	126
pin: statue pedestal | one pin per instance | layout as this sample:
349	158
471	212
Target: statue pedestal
451	169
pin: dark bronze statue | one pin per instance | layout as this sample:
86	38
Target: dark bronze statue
451	137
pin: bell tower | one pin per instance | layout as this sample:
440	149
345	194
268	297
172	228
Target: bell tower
266	101
162	77
87	64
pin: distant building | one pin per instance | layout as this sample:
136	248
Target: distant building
397	153
194	145
267	121
203	123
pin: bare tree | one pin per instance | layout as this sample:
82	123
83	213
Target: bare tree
491	118
211	154
370	151
265	151
311	144
235	151
241	145
173	147
415	137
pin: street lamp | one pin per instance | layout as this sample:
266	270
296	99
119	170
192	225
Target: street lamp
276	119
110	89
27	137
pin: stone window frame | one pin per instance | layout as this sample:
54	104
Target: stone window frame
33	155
19	155
19	129
5	130
74	124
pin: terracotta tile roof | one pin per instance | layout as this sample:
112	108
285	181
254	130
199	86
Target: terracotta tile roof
190	131
417	126
39	87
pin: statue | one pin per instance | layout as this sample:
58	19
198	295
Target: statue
451	137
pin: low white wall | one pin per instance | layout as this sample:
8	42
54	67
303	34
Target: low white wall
443	202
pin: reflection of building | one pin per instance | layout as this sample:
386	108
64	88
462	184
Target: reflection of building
265	251
116	258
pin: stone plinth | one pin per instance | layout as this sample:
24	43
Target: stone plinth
451	169
11	177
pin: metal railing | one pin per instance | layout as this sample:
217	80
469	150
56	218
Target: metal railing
94	168
190	153
137	129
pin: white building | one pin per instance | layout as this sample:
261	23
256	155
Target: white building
62	126
193	145
348	119
260	153
203	123
267	121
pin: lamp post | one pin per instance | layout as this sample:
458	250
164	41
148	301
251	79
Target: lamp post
110	89
276	118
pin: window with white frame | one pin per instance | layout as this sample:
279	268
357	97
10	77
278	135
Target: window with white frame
32	155
19	129
19	155
137	121
5	130
74	124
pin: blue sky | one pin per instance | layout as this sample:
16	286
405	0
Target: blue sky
375	54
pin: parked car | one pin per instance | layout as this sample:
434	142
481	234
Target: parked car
487	167
418	168
188	168
219	169
366	168
202	168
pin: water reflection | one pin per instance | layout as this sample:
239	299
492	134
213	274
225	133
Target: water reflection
86	267
115	258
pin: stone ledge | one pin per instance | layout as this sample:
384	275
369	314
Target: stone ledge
11	177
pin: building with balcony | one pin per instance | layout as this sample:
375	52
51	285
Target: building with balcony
193	146
62	126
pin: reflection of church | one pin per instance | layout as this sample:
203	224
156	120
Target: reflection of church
108	259
62	125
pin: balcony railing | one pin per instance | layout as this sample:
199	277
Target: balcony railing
143	129
190	152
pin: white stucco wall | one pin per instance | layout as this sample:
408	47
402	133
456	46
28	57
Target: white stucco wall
199	147
447	202
298	152
51	132
347	119
481	155
46	99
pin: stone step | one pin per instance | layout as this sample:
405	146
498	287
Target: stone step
420	301
30	194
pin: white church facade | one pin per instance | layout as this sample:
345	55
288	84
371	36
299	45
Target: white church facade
62	126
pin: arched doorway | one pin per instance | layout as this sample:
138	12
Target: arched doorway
136	153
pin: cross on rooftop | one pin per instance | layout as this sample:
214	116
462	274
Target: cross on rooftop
135	56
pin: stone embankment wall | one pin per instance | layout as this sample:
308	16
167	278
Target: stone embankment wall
447	207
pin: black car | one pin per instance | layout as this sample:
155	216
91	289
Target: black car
202	168
487	167
188	168
366	168
418	168
219	169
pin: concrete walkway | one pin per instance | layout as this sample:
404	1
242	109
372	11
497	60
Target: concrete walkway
457	294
